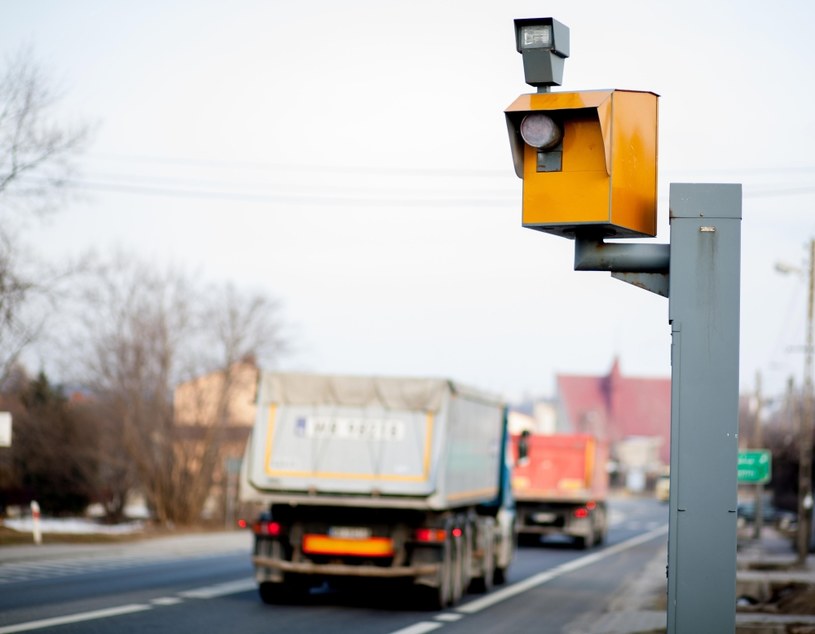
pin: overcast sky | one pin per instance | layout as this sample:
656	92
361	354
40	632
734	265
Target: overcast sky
351	158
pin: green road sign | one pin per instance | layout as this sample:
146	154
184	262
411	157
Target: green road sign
755	466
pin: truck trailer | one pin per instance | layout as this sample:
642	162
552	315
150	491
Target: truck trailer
560	484
404	480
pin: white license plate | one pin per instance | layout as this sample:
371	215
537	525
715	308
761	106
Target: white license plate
349	532
543	518
352	428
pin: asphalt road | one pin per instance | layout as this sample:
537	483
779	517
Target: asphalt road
179	589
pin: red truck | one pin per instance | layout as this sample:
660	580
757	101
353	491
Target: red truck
560	483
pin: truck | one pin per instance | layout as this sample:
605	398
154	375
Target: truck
560	484
380	479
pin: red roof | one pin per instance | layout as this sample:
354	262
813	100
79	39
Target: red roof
617	407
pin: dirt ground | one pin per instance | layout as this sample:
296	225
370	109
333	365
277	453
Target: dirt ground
789	599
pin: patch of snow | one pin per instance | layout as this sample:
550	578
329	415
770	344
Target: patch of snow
75	526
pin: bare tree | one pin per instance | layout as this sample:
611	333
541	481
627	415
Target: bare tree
15	288
147	331
217	408
36	160
37	151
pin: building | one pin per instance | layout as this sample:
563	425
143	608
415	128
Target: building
633	414
218	409
537	417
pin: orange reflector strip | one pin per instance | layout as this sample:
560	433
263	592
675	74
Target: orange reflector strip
369	547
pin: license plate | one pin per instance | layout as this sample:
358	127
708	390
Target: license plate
543	518
349	532
352	428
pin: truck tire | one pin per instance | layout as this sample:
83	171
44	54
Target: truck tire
528	540
602	529
586	542
270	592
438	597
457	572
485	582
290	591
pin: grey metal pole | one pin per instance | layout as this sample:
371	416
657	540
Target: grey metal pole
805	441
758	443
704	315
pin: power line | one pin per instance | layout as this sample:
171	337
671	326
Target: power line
333	199
339	195
406	170
781	191
291	167
290	199
151	181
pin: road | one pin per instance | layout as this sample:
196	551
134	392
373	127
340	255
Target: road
173	587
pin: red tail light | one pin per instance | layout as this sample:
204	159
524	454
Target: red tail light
267	529
457	532
430	535
581	512
591	505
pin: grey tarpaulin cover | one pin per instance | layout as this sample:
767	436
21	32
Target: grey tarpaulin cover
416	394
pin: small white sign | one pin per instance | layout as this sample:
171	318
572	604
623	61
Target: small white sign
5	429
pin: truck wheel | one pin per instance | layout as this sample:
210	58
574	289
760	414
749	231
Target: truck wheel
585	542
602	528
291	591
468	554
457	572
270	592
484	583
438	597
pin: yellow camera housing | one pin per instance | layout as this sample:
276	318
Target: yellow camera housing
602	175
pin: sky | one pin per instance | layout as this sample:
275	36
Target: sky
351	159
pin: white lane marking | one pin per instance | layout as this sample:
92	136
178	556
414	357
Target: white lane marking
220	590
207	592
419	628
75	618
527	584
615	517
449	617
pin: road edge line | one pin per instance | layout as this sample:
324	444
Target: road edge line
527	584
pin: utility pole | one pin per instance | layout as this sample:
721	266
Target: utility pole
805	442
758	443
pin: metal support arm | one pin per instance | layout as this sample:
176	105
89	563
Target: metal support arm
596	255
643	265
